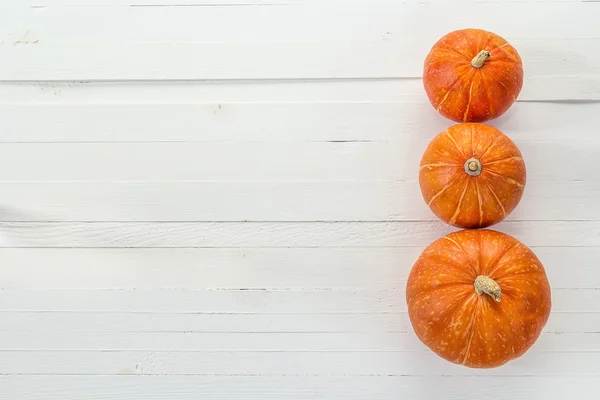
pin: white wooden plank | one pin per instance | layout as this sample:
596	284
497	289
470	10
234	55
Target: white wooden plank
154	3
34	60
41	340
234	3
567	267
293	387
221	301
345	161
273	201
581	89
206	61
534	363
275	235
270	122
107	341
158	322
241	301
42	46
85	321
210	161
354	21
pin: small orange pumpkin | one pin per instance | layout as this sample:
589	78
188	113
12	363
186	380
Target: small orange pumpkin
472	175
472	75
479	298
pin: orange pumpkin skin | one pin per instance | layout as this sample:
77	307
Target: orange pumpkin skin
465	93
472	329
456	194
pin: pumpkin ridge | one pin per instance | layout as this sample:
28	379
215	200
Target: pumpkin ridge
505	54
517	158
513	275
504	86
442	190
506	178
469	106
479	203
472	142
458	79
436	165
498	61
468	39
487	91
462	196
496	197
480	263
449	60
494	267
472	328
473	269
487	38
490	147
460	152
451	50
430	290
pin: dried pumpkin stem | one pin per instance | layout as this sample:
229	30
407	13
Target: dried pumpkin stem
473	167
480	58
485	284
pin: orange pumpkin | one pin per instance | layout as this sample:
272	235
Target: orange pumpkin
472	175
472	75
479	298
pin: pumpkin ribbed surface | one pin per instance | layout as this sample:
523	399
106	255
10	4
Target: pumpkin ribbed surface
472	175
472	75
479	298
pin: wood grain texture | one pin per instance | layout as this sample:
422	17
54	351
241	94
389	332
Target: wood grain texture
330	300
232	3
177	117
361	363
275	235
75	322
289	162
238	341
188	44
250	268
296	387
266	201
268	60
566	90
356	20
244	342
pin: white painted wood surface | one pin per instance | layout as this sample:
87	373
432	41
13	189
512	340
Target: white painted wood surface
218	199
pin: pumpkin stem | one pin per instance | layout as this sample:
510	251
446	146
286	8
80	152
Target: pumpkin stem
473	167
480	58
485	284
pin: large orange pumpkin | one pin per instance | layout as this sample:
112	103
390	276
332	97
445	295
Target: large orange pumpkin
472	175
479	298
472	75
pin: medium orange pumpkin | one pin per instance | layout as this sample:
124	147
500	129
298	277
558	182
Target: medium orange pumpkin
472	175
472	75
479	298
